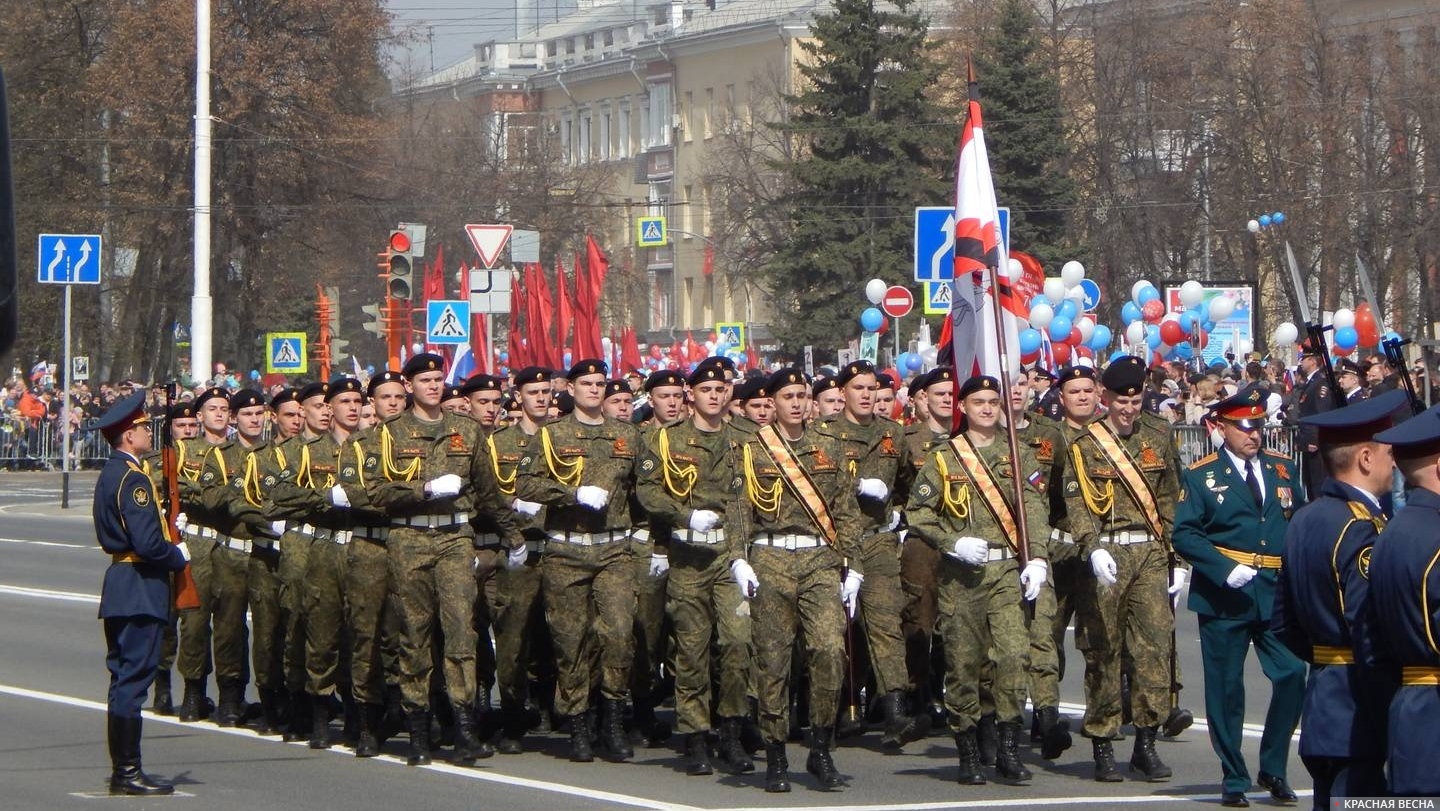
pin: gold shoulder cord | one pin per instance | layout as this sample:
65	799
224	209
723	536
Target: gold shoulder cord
679	480
956	500
303	478
280	457
359	462
389	468
572	470
505	483
220	460
180	462
252	482
766	500
1100	502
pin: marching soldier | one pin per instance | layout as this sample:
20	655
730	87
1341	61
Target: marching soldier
619	402
1230	523
750	405
963	505
885	396
485	395
799	526
1322	604
583	471
181	423
192	658
1121	504
688	482
454	401
483	392
1078	395
826	398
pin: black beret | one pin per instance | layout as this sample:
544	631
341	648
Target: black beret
589	366
289	394
940	374
531	374
823	385
885	381
705	372
509	403
854	369
720	362
481	382
341	385
211	393
381	379
452	393
316	389
664	377
1070	373
421	363
181	411
979	383
564	403
783	378
916	385
1124	376
749	389
246	398
614	387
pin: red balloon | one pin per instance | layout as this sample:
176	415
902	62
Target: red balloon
1369	334
1061	352
1156	359
1341	351
1030	358
884	326
1153	311
1074	338
1171	332
1084	351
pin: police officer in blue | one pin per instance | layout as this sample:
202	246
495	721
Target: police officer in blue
1321	603
135	596
1405	601
1230	522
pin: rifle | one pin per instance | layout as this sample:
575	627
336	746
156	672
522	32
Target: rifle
183	587
1314	331
1391	347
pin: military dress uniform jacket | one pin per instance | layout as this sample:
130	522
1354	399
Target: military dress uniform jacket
1216	515
224	504
684	469
874	451
1096	499
129	526
946	502
311	468
507	446
1047	443
568	454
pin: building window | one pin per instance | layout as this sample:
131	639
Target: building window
623	141
550	48
660	113
662	289
583	152
687	113
687	305
708	124
567	128
608	38
684	219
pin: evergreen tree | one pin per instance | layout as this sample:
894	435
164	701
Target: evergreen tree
1025	136
876	145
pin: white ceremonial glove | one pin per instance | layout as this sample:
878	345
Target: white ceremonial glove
338	497
182	521
1239	576
1104	567
446	486
659	565
1178	576
894	521
277	528
745	578
591	496
523	507
184	551
973	551
1034	575
872	488
850	592
517	557
704	520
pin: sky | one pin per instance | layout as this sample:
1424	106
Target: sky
446	28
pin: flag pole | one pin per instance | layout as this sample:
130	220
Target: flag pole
1017	480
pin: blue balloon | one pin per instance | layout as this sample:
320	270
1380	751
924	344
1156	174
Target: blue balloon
1039	298
1130	313
1030	340
871	319
1187	321
1278	218
1392	335
1152	336
504	357
1100	338
1264	220
1208	325
1118	354
913	362
1183	352
1060	328
1068	309
1147	295
567	360
1346	337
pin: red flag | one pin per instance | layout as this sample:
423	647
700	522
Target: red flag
588	287
479	341
541	331
708	266
630	350
519	358
564	308
434	289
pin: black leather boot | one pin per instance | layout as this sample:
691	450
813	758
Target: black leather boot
512	730
394	721
697	755
298	728
126	776
1104	754
777	768
969	751
849	723
732	750
987	738
163	704
901	727
1145	759
270	716
367	744
417	723
232	703
614	746
580	751
320	722
1054	732
193	698
468	745
1177	722
820	763
1007	757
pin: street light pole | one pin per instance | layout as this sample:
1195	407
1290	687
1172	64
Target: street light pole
200	301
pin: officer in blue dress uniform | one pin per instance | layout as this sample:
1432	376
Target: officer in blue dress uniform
1405	601
135	596
1321	603
1230	523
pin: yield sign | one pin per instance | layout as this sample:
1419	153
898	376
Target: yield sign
898	301
489	241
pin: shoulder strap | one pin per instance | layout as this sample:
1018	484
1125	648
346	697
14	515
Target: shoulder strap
989	490
799	482
1135	482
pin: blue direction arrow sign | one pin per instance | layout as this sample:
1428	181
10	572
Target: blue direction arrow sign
935	241
1092	294
69	258
447	322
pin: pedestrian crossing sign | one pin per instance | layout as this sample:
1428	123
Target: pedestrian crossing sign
937	298
732	334
650	232
285	353
447	322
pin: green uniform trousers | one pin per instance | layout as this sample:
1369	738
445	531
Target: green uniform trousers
982	622
706	608
294	558
325	648
1224	644
367	595
267	620
1133	614
919	566
882	601
229	600
590	607
519	619
433	572
192	656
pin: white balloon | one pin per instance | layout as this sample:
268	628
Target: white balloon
1285	334
929	354
1244	347
1135	333
1054	291
1087	329
1221	308
1041	315
1078	294
1344	317
1016	269
1072	272
875	290
1137	287
1253	226
1192	293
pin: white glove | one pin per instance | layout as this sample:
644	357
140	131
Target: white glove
1239	576
894	521
184	551
745	578
525	507
659	565
591	496
1178	575
277	528
1104	567
181	521
849	591
973	551
517	557
1033	576
872	488
704	520
446	486
338	497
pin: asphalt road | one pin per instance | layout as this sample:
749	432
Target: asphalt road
53	756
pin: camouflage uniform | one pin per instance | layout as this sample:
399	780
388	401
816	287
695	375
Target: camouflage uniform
267	620
650	602
284	461
1068	570
1047	445
192	658
919	567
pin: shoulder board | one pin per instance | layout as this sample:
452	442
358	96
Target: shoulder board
1274	454
1360	511
1203	461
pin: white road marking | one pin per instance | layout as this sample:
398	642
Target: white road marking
48	594
57	544
105	795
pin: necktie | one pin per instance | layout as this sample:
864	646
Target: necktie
1253	483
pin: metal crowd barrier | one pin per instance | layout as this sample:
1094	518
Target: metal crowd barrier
1193	442
27	445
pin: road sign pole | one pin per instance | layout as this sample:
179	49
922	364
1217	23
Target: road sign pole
65	412
489	347
895	328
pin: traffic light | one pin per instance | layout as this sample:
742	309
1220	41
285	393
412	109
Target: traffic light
376	322
400	277
339	348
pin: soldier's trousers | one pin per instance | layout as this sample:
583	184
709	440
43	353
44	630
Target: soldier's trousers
705	607
919	567
649	621
982	621
882	601
192	657
590	607
489	562
1047	626
324	608
798	597
433	573
294	558
367	594
267	620
229	599
519	618
1135	612
1068	573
